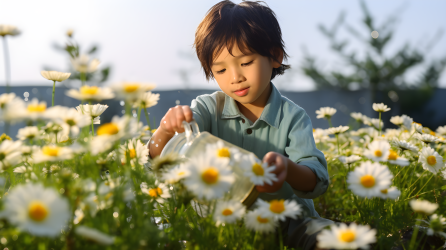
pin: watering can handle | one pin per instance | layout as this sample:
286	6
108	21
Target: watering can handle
191	133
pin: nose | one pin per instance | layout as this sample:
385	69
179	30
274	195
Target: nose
237	77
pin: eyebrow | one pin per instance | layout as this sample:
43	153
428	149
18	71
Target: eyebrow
242	55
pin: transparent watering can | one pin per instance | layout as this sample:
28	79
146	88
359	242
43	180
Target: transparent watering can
193	142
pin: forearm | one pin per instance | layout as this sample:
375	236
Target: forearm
157	143
300	177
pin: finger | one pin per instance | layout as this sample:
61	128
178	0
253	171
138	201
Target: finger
173	121
188	113
269	157
179	118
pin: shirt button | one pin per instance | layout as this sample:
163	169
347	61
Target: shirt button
243	120
249	131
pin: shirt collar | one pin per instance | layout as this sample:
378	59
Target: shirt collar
270	114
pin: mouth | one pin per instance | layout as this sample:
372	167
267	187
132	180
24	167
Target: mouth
242	92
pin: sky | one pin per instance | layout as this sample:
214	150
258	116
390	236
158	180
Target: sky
151	41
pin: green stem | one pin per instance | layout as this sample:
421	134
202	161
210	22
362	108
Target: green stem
415	232
54	91
337	141
7	64
416	182
329	122
83	78
424	185
379	124
128	109
139	114
147	117
92	127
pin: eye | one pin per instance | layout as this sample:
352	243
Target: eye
246	64
221	71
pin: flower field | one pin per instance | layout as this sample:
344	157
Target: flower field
66	184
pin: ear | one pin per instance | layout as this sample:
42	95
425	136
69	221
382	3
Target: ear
279	58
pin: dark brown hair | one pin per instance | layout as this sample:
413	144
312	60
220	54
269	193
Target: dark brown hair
250	25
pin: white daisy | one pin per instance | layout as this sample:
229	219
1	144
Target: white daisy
136	151
90	93
68	118
259	173
378	150
397	120
407	121
337	130
55	75
36	209
427	138
131	91
83	64
390	193
229	155
325	112
369	179
403	145
228	212
346	237
124	127
52	153
380	107
147	100
30	132
94	111
417	127
423	206
373	122
393	158
8	30
356	116
5	99
176	174
254	220
279	209
209	178
159	192
437	225
440	130
94	235
34	110
349	159
9	153
431	160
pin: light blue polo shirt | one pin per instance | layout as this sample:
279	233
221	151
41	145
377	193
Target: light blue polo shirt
283	127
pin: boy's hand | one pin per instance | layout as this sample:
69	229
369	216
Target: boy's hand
172	121
280	161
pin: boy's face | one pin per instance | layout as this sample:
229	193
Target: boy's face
250	73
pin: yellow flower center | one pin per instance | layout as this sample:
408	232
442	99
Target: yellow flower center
393	155
432	133
257	169
314	130
431	160
108	129
153	192
50	151
159	191
210	175
262	220
36	108
87	90
223	152
181	173
277	206
132	153
226	212
368	181
378	153
37	211
384	191
131	87
153	130
347	236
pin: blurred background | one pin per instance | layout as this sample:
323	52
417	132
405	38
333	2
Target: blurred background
344	54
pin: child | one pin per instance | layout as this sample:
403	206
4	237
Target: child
241	47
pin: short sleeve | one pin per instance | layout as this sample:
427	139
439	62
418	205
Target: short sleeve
202	108
302	150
